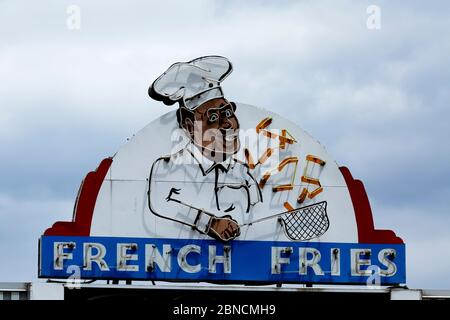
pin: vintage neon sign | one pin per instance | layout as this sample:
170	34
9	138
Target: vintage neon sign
223	192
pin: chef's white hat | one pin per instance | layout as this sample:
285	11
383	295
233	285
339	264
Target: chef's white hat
191	83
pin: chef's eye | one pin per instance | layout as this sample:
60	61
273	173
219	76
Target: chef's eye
213	117
228	113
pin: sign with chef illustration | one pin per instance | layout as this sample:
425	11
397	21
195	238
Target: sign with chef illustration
223	192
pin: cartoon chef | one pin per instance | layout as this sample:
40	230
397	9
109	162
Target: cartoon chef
202	186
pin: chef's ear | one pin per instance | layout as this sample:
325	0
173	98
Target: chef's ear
233	105
185	119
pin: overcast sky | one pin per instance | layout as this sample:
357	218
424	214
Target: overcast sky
378	99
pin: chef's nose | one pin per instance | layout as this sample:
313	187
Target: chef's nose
226	123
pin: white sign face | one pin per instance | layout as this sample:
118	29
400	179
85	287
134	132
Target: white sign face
206	191
160	179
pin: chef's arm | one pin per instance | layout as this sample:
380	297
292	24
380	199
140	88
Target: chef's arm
202	217
164	200
221	228
167	203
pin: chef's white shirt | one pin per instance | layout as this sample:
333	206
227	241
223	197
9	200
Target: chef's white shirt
225	188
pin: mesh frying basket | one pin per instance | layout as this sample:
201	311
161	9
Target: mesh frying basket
307	222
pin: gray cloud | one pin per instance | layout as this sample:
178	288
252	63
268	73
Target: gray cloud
22	222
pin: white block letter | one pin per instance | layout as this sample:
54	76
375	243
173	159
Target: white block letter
311	263
182	262
335	262
277	260
98	257
154	257
123	256
391	266
59	255
357	262
225	259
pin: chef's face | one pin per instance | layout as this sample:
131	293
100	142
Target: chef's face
214	128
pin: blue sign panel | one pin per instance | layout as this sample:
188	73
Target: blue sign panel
210	260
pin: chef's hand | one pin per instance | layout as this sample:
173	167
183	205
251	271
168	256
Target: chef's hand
223	228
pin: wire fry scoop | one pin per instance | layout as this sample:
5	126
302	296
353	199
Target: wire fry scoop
299	224
303	223
306	223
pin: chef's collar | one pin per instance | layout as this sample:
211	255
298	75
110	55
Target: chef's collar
206	164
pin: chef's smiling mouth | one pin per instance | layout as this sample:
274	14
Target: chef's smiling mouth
231	137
